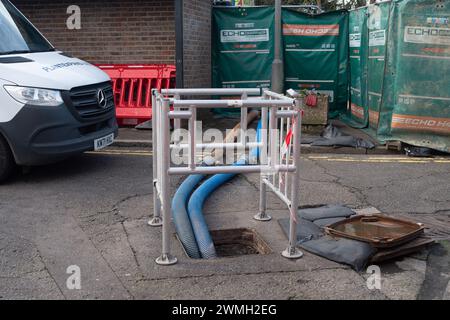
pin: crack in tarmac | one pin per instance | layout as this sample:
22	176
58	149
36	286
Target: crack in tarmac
358	192
337	180
111	268
115	209
133	251
50	274
392	183
41	259
210	275
423	213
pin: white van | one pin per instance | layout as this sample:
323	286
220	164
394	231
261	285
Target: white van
51	105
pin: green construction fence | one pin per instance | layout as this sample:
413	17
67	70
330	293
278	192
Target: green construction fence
243	45
400	83
385	67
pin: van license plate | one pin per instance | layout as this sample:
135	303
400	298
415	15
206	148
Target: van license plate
103	142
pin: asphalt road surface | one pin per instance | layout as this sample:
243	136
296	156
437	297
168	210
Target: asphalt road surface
91	212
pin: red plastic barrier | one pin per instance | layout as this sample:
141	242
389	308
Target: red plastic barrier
132	86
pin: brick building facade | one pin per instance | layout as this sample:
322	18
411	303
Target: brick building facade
197	43
132	32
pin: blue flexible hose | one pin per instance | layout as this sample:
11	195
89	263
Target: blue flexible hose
195	211
180	216
198	199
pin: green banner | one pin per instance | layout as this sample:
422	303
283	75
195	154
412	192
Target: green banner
416	101
242	50
398	54
377	24
316	54
408	86
358	37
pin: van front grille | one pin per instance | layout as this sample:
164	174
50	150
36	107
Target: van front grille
85	99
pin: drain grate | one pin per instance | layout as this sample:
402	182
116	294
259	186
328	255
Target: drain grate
238	242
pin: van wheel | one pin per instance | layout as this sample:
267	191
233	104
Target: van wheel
7	163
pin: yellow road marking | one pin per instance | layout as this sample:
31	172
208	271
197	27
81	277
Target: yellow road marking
375	157
117	153
344	159
126	151
382	161
379	159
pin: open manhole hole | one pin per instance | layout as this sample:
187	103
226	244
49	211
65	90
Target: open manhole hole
239	242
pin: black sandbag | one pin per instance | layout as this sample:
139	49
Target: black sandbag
306	230
344	141
312	238
322	223
350	252
332	136
418	152
325	212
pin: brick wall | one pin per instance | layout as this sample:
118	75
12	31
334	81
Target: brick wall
113	31
197	43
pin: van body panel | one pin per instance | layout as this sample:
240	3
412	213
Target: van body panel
63	105
8	106
41	135
51	70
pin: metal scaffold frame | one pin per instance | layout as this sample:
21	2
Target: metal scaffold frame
279	150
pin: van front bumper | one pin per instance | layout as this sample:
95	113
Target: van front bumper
42	135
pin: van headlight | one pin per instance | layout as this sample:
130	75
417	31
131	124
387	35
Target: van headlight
35	96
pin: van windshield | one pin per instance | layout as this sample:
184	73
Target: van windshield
17	34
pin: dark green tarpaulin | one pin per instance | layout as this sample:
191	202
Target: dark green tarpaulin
242	50
377	24
399	61
243	43
316	54
408	83
416	95
358	37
